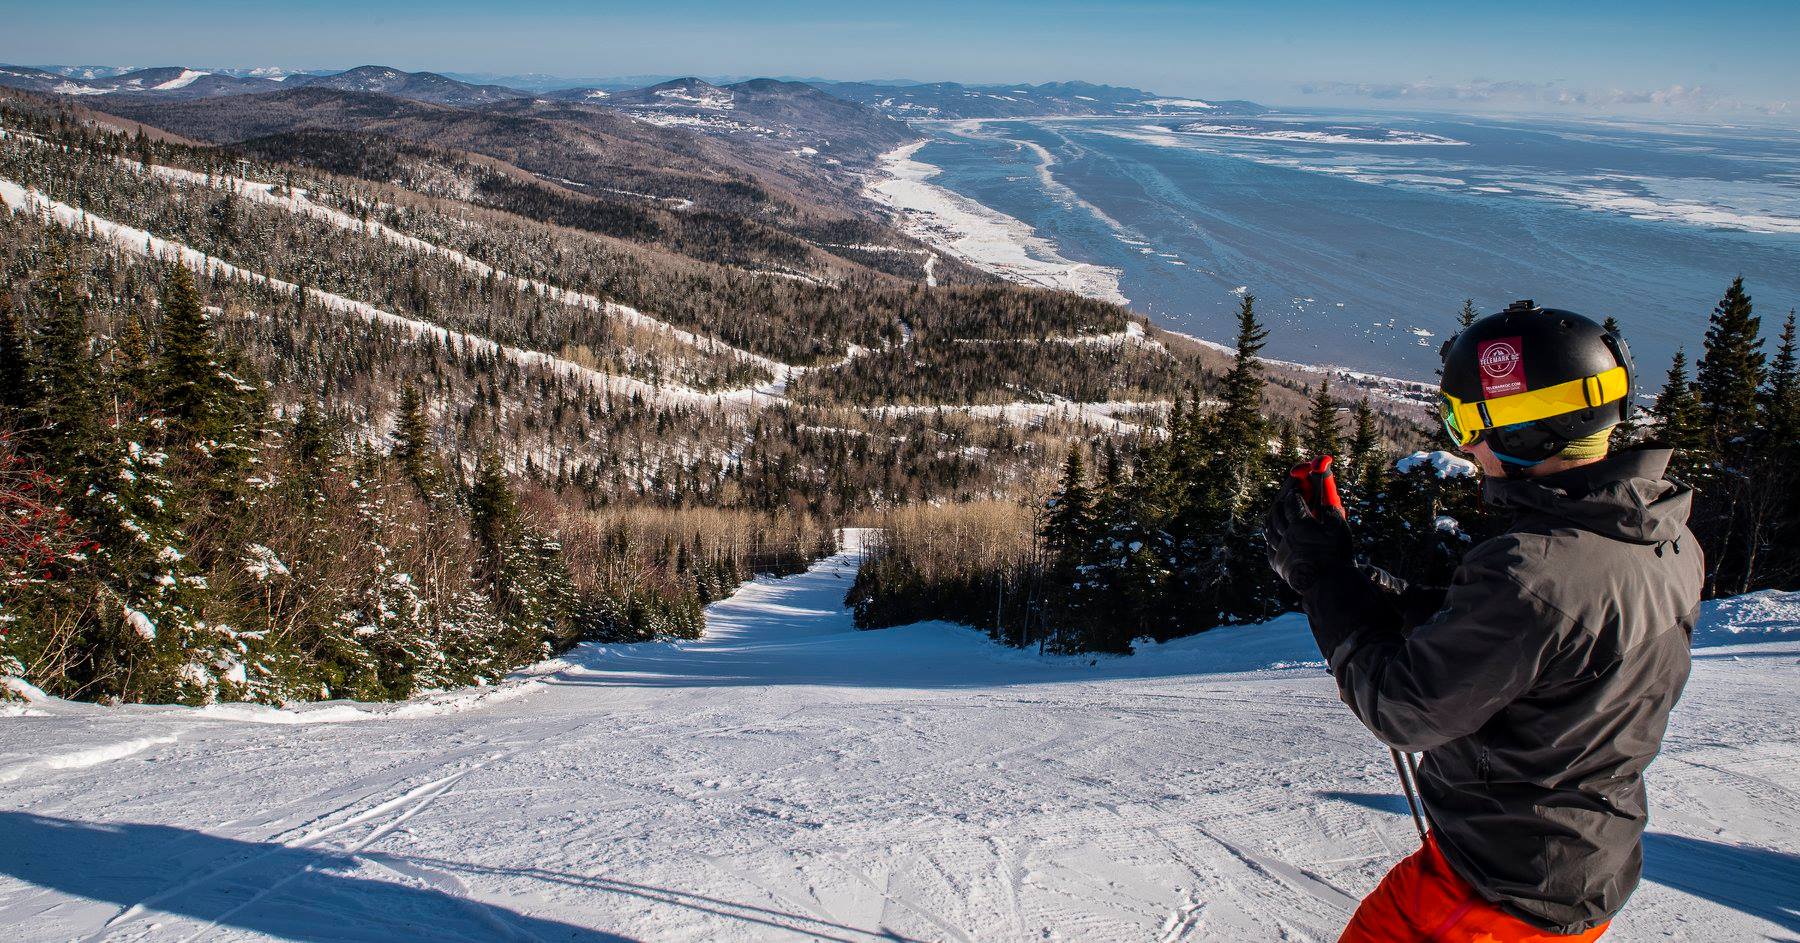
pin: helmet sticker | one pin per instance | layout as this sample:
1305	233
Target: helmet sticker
1502	367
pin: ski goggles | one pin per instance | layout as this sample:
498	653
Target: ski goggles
1466	421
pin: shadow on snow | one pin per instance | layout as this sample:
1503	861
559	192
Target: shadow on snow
312	895
1760	882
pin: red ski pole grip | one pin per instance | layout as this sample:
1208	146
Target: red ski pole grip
1326	486
1317	486
1302	476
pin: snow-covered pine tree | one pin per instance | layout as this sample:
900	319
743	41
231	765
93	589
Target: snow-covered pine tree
412	447
1417	523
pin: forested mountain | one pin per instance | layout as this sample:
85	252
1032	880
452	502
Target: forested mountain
857	115
418	86
177	82
386	395
794	113
591	148
168	82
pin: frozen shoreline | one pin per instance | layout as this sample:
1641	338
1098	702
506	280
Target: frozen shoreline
979	235
1009	247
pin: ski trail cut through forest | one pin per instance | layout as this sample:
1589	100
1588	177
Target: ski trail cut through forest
787	777
140	242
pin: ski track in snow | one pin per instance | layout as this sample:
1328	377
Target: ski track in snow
790	778
138	241
299	203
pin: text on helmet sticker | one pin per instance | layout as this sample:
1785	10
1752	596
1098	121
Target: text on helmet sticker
1502	367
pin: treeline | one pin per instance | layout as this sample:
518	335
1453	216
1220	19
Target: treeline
169	537
1163	539
929	371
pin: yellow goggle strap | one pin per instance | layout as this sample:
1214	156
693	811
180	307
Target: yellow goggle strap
1586	393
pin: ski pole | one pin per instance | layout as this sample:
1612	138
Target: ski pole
1318	488
1408	785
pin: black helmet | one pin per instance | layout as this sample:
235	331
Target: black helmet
1530	380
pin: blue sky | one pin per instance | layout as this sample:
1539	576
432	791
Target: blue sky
1650	56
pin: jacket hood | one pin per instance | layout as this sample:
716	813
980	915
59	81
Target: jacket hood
1626	496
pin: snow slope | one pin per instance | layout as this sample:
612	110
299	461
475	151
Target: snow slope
790	778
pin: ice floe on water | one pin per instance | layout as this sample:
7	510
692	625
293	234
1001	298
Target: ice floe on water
1337	134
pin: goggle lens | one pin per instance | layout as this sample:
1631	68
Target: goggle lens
1447	407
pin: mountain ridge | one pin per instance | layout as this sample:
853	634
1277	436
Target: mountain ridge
896	98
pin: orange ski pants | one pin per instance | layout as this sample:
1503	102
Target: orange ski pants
1423	901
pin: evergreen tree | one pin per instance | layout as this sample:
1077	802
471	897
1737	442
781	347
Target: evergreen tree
1771	489
1222	560
1287	445
493	510
1365	444
1322	437
1242	428
412	441
132	362
67	426
187	369
1067	532
1780	401
1731	373
1611	326
16	388
1677	414
1068	525
312	439
1468	314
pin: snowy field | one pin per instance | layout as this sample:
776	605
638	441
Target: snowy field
790	778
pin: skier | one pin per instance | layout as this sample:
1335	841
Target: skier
1538	685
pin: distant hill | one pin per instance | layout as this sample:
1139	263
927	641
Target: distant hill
795	115
180	82
418	86
760	106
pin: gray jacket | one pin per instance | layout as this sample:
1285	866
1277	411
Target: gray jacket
1541	687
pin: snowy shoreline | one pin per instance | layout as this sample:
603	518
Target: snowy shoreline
980	235
1009	247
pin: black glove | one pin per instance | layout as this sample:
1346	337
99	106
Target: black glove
1303	546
